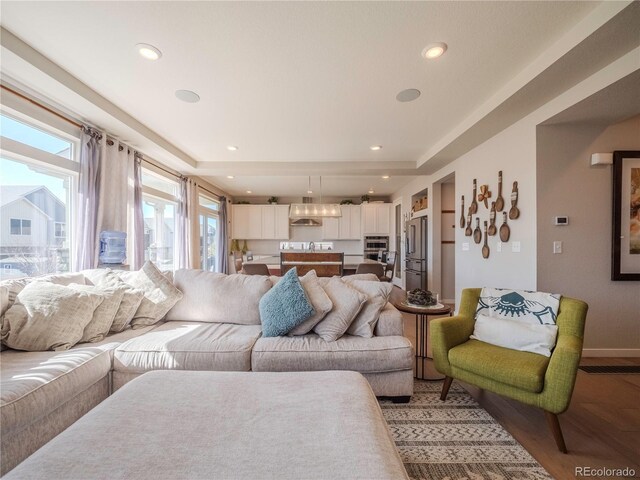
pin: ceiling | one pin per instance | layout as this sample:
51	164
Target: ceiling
300	87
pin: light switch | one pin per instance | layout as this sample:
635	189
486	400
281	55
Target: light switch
465	246
499	247
557	247
515	247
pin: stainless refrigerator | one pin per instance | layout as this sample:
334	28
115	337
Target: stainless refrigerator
416	254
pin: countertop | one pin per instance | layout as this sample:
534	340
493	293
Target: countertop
273	261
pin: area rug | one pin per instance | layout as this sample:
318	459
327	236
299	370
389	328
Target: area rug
456	439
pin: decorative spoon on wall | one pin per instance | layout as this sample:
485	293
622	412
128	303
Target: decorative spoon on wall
499	199
462	222
505	232
514	212
474	202
492	220
485	247
477	234
467	231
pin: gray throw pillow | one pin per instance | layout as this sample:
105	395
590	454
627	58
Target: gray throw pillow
347	302
378	295
103	316
46	316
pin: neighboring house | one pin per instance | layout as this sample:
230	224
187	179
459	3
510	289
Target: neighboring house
33	232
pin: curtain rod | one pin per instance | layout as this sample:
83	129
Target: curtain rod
37	104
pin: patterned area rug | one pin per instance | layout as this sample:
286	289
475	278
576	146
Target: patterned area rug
456	439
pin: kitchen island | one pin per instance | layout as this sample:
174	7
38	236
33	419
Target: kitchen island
304	259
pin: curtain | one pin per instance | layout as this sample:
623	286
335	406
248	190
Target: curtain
88	200
223	248
193	238
183	230
136	219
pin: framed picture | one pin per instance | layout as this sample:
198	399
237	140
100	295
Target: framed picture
625	251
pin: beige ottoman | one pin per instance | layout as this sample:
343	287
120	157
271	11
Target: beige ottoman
226	425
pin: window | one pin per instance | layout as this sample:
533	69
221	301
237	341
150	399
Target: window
159	231
208	233
159	182
38	174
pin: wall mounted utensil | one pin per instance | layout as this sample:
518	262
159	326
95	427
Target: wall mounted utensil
462	222
467	231
477	234
505	232
492	220
514	212
485	247
499	200
474	203
484	195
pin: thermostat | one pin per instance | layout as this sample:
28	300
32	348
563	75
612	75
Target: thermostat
561	221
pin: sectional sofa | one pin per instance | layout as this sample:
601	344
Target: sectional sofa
209	329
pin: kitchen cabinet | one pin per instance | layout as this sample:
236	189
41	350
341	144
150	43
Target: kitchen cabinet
260	222
376	219
346	227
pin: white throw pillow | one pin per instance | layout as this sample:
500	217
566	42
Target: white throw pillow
319	299
377	293
347	302
15	286
160	295
103	316
46	316
516	335
520	305
131	299
4	299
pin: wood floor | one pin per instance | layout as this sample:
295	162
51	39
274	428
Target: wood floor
601	427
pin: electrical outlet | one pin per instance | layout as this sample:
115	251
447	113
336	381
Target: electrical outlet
499	247
557	246
515	247
465	246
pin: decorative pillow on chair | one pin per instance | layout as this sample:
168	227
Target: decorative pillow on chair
517	319
285	306
46	316
378	295
347	303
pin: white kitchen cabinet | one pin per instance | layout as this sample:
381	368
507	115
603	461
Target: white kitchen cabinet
260	222
376	219
331	228
346	227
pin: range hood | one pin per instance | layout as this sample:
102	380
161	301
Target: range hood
309	214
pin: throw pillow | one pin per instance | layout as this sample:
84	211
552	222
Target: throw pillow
526	337
47	316
131	299
4	299
103	316
347	302
285	306
377	297
318	298
159	294
530	307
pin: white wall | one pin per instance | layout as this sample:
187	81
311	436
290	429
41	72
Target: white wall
569	185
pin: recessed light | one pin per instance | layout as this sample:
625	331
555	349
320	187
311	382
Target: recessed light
249	191
148	51
187	96
434	50
375	147
230	176
408	95
385	177
371	191
232	148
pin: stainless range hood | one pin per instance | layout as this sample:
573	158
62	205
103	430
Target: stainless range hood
305	222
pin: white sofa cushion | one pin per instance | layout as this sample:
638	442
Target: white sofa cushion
219	298
46	316
310	352
103	316
189	346
347	302
378	295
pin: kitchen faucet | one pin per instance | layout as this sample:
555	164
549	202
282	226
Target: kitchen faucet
312	247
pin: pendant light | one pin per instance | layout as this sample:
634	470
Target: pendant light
317	210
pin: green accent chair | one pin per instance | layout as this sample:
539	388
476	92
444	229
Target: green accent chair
533	379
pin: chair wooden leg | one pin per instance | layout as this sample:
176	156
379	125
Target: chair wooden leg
554	425
445	388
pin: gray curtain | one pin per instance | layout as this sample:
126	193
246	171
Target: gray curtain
183	228
223	247
88	199
138	219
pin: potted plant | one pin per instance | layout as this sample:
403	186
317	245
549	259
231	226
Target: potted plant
273	200
365	198
346	202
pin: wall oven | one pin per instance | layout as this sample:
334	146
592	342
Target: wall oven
372	245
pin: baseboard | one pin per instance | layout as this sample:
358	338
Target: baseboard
611	352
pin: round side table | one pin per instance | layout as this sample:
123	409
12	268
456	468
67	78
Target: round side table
422	334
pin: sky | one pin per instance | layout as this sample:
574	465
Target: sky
16	173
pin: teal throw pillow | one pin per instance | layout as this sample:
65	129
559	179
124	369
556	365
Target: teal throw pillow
285	306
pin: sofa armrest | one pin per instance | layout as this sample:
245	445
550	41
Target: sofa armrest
390	322
446	333
561	373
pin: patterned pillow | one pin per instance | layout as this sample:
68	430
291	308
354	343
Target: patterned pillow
285	306
530	307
